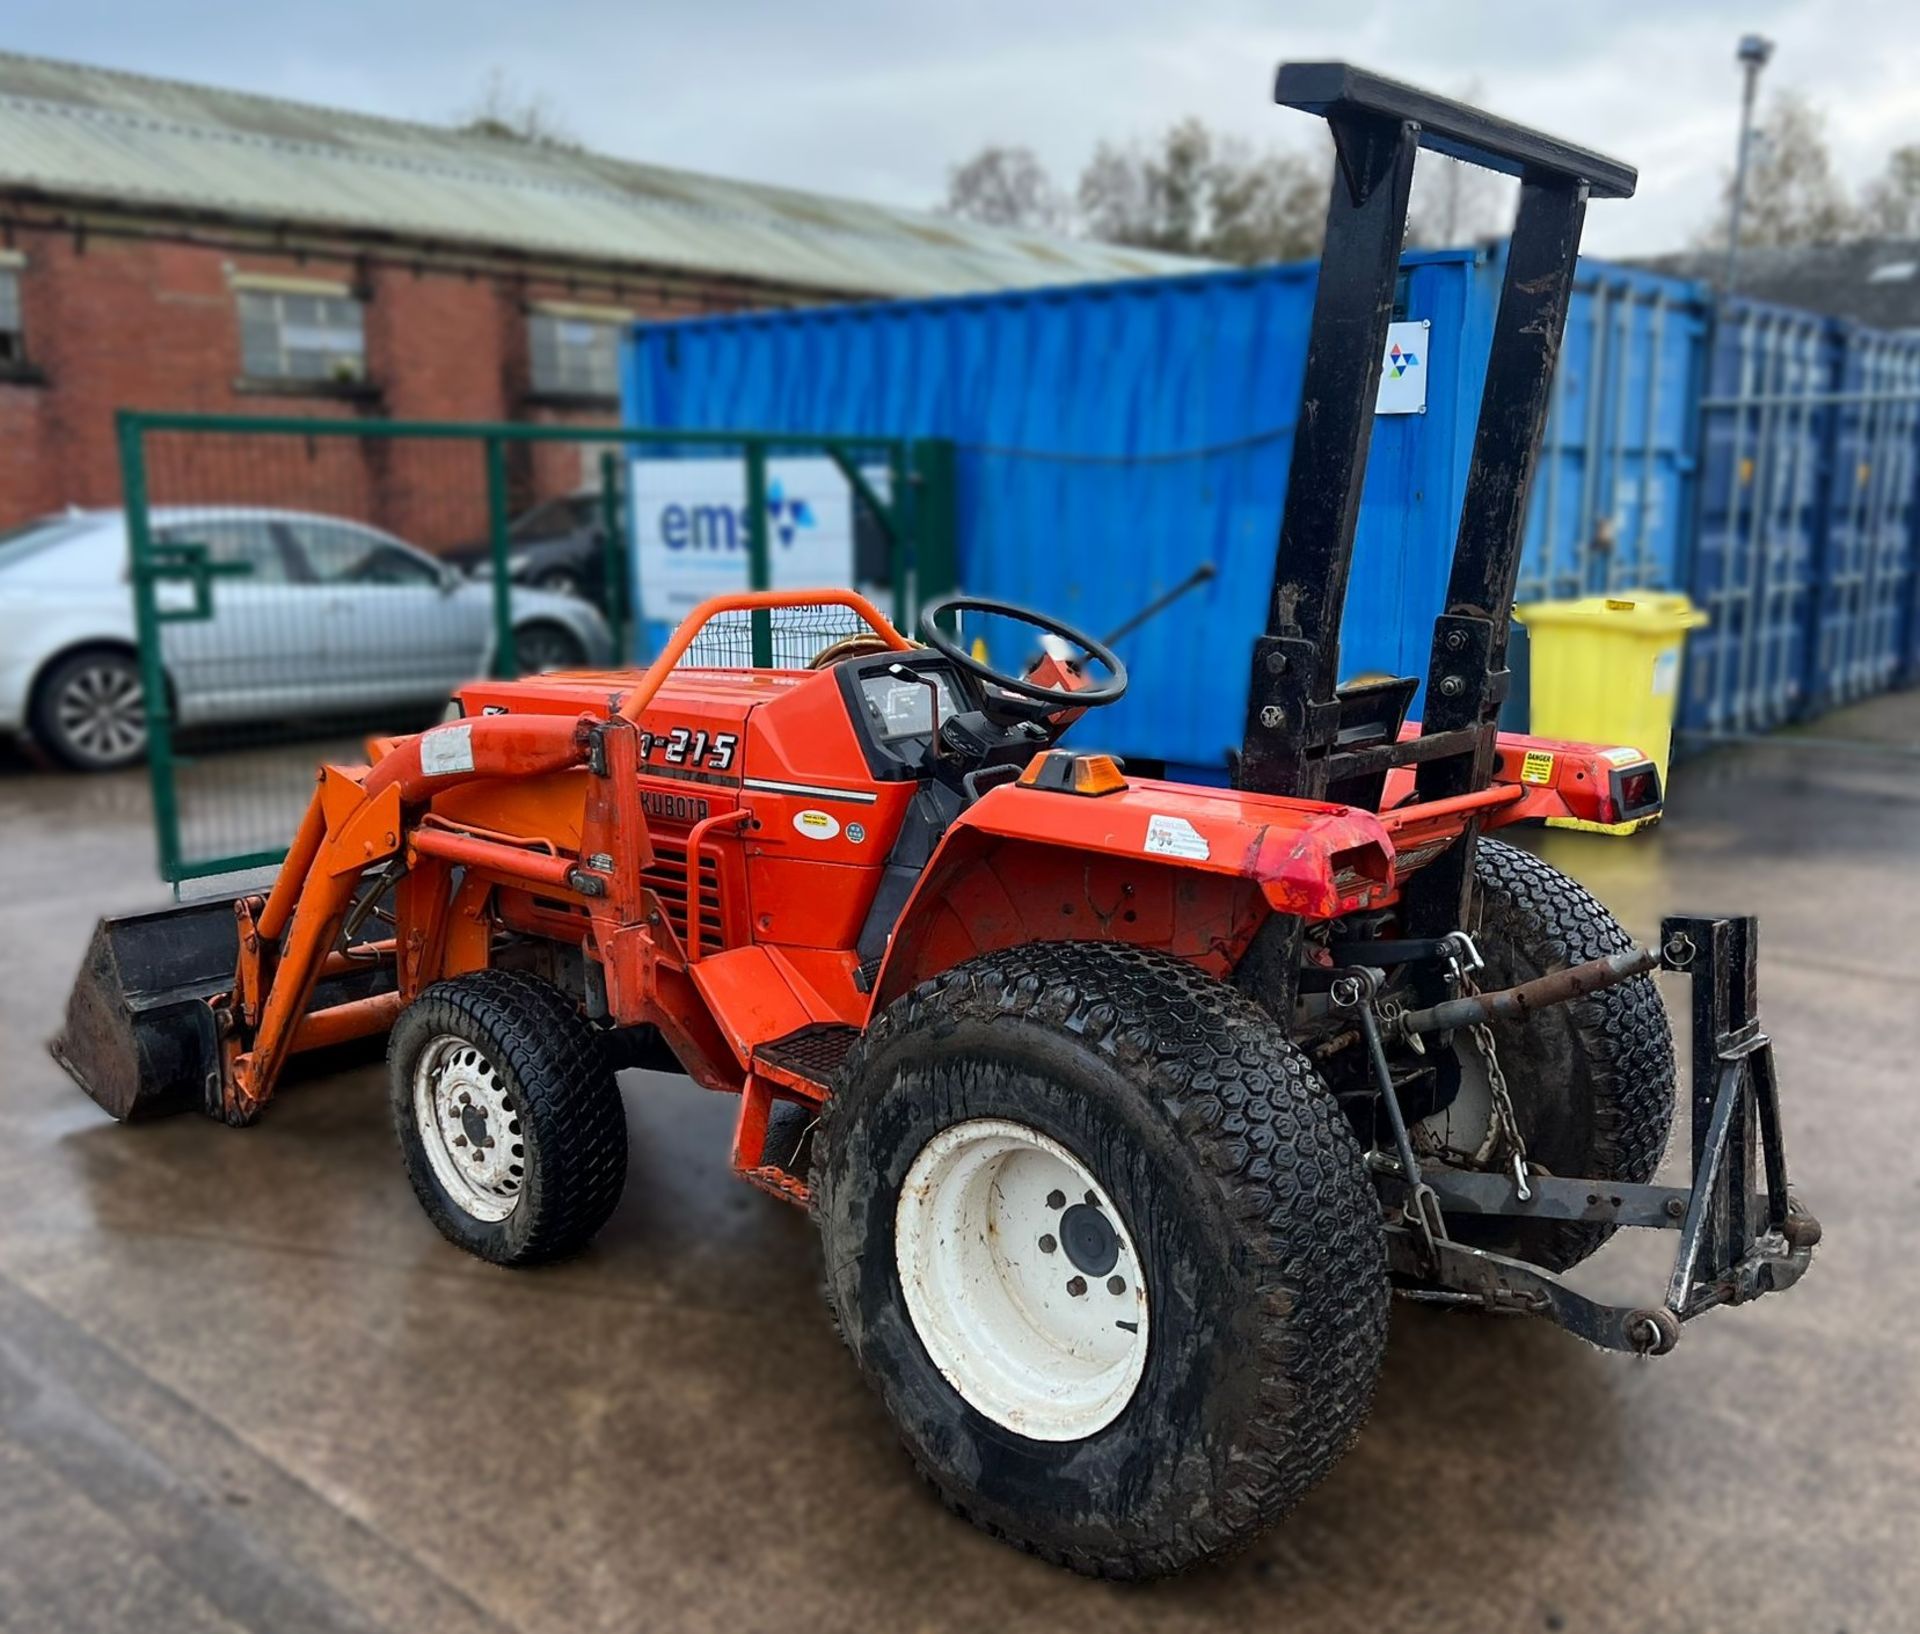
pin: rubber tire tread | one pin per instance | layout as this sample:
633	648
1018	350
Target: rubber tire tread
565	1092
1622	1039
1267	1142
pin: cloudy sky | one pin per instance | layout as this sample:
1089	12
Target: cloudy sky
877	99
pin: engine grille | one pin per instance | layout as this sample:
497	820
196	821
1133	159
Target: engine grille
667	878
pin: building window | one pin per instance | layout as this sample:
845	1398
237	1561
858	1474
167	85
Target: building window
296	335
575	356
13	347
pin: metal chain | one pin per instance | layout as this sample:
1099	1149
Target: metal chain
1504	1126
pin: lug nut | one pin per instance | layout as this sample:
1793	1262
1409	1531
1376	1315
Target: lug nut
1047	1243
1056	1199
1077	1287
1116	1285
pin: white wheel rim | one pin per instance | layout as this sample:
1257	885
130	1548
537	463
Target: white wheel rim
1021	1280
101	713
469	1126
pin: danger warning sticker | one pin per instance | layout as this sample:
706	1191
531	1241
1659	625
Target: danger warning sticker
1537	767
1176	837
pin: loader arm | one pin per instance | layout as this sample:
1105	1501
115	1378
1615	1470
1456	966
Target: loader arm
360	819
206	1003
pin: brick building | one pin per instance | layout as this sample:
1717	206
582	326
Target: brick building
173	246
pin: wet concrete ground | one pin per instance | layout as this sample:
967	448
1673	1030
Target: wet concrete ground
244	1385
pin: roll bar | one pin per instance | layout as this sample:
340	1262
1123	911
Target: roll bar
1460	131
1293	742
750	601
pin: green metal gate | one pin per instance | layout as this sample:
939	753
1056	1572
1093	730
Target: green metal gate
300	584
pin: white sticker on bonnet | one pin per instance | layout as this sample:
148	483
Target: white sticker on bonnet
447	749
1176	837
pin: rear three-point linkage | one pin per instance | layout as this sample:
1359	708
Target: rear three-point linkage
1737	1242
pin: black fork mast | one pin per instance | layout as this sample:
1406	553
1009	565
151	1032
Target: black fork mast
1292	741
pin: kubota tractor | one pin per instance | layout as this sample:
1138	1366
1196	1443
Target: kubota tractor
1121	1105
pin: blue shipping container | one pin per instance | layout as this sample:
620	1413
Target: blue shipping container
1110	438
1805	554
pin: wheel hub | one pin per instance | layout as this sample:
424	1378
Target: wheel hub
1021	1280
102	712
1091	1243
474	1122
469	1127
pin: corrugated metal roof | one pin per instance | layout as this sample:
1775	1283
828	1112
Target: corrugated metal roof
96	134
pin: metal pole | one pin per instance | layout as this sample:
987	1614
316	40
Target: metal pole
161	767
506	661
1752	56
613	558
759	562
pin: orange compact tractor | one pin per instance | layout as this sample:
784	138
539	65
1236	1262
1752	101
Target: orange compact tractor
1121	1104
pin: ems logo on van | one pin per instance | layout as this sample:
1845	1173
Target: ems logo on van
816	825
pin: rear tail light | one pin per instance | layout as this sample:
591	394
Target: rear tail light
1636	792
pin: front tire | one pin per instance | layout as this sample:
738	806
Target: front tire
508	1116
1110	1117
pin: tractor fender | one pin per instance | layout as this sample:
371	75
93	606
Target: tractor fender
1193	871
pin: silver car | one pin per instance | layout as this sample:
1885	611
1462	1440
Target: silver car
309	616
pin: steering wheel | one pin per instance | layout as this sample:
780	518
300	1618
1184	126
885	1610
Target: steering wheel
861	644
1111	690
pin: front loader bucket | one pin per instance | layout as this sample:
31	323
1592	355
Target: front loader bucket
140	1036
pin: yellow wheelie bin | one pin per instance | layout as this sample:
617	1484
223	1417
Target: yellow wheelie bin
1606	669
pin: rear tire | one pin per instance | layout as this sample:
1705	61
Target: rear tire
90	712
508	1116
1220	1203
1592	1081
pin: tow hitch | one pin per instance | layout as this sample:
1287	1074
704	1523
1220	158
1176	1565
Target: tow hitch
1736	1241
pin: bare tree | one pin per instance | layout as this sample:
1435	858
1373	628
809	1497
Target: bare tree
1270	207
1793	195
1891	205
1006	187
503	110
1153	199
1198	194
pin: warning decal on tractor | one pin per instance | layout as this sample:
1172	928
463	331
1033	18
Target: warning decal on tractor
1176	837
816	825
446	750
1537	767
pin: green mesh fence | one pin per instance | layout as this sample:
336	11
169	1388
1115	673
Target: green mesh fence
302	585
